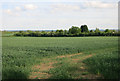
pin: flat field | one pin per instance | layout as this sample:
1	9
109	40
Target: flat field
60	57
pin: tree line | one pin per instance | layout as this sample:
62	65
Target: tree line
74	31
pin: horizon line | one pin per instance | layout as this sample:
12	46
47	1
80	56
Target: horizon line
47	29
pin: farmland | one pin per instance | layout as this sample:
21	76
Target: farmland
63	57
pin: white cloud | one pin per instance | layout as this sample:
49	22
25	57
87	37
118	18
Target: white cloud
11	12
18	8
70	14
99	4
30	6
65	7
8	11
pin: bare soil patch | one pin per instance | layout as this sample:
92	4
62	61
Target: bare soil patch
39	71
69	55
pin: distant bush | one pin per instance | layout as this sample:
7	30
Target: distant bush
72	32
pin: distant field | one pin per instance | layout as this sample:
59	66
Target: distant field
79	57
7	34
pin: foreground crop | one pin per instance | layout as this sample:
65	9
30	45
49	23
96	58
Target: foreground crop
20	54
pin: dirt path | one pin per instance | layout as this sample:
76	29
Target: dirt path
83	73
40	71
88	56
69	55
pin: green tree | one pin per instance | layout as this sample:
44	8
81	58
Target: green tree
107	31
57	31
21	31
43	33
97	30
114	31
52	33
91	31
65	32
74	30
84	28
61	32
29	31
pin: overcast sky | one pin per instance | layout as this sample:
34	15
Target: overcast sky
58	14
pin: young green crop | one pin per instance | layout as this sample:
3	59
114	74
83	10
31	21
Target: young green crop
21	53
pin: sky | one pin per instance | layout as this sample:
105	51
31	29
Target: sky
58	14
